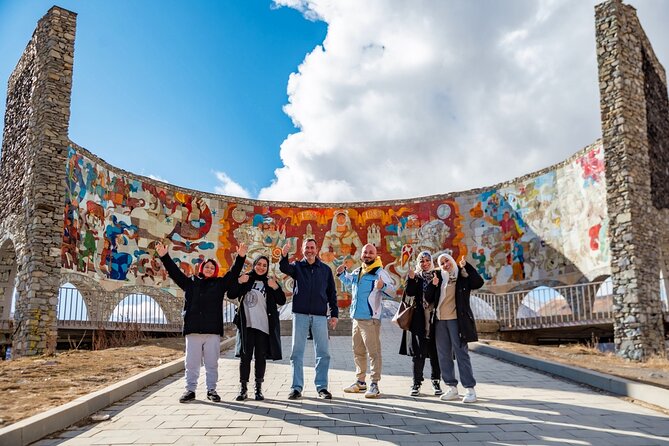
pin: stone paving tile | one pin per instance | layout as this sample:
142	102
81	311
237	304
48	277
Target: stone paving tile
516	406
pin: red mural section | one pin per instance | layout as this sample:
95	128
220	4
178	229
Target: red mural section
399	233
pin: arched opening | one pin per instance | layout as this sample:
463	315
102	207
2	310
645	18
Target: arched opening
8	293
482	310
71	305
140	309
603	302
543	301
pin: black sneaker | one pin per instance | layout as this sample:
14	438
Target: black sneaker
187	396
294	394
415	389
324	394
437	387
213	396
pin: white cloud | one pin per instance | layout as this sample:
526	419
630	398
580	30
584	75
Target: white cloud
229	187
407	99
157	178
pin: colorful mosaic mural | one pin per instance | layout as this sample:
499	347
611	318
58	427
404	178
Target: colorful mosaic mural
542	227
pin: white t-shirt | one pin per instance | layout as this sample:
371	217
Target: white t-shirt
255	307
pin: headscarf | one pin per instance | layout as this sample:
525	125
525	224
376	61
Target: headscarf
253	276
425	275
454	272
200	272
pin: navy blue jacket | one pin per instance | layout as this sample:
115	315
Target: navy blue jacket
314	288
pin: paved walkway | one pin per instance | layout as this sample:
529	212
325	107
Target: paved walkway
516	406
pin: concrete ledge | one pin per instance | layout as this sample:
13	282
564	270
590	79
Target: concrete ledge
647	393
39	426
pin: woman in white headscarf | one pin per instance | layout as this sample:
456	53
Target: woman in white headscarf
455	325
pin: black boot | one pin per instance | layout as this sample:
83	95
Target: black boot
259	396
243	392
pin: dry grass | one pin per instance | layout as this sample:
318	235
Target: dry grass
654	371
32	385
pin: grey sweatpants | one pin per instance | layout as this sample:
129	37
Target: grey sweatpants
202	348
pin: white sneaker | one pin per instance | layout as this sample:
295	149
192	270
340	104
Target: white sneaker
470	395
451	394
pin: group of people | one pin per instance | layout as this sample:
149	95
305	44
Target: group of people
441	326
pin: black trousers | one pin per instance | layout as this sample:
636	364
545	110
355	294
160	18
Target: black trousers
419	363
256	344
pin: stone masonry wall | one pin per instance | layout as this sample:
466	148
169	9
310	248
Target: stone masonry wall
622	52
34	143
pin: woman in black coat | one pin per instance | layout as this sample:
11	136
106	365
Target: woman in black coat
257	320
203	316
418	342
455	325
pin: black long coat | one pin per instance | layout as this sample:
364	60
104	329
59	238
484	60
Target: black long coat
463	287
275	298
414	341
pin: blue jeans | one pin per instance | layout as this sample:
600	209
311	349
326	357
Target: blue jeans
319	329
447	338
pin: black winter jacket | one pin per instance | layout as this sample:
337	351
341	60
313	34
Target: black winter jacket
204	297
275	298
415	341
314	288
463	287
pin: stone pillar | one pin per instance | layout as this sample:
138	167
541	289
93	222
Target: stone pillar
32	175
633	100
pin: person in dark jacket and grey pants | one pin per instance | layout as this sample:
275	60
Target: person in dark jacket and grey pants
455	325
257	321
203	317
418	341
314	296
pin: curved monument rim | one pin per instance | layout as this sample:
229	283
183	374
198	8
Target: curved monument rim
371	203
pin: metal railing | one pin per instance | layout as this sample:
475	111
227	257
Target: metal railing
138	311
544	307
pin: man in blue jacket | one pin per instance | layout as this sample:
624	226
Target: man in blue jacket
314	293
369	284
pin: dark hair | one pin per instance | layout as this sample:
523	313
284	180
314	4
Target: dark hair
307	240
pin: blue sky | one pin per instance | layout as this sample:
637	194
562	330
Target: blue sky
331	100
178	90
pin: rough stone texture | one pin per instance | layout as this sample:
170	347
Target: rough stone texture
633	106
34	141
657	113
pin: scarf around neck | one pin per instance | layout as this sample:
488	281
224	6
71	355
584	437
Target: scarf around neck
365	268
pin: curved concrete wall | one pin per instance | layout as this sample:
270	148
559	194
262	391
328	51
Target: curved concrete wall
547	226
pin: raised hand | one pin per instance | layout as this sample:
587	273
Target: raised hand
340	269
272	283
242	249
243	278
435	280
286	249
160	248
378	284
463	262
412	274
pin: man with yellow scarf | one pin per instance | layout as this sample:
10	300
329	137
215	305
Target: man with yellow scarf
369	283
